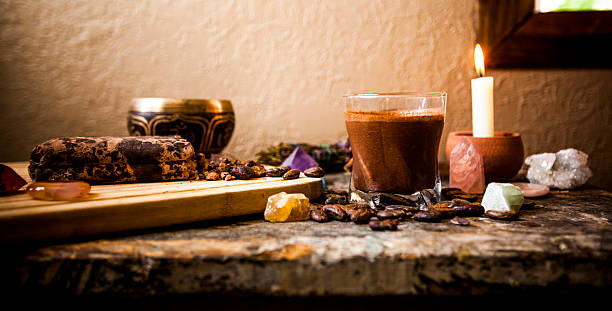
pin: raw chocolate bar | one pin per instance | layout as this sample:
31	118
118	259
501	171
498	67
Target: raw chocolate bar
113	159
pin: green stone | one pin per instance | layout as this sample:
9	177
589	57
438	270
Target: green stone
502	197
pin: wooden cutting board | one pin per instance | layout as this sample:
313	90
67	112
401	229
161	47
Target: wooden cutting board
112	208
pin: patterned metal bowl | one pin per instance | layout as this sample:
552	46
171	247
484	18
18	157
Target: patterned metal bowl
207	123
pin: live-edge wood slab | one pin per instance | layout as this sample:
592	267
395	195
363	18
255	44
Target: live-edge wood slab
112	208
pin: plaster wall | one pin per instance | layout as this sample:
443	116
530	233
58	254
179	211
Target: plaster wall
70	68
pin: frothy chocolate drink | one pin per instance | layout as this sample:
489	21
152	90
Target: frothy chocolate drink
394	151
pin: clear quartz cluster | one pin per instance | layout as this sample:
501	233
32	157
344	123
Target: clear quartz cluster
566	169
283	207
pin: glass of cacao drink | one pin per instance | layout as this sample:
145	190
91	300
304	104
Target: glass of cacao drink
395	139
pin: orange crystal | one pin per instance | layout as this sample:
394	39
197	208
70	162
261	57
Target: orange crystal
58	190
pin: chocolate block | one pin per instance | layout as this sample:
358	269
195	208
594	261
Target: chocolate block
113	159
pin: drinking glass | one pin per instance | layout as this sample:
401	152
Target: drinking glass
395	139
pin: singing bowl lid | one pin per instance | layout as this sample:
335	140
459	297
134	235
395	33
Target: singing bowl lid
173	105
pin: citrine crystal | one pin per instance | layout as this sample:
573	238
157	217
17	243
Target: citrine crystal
284	207
58	191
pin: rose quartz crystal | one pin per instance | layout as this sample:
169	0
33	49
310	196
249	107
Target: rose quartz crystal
467	168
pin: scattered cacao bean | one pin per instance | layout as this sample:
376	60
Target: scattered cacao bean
380	225
314	172
529	205
469	210
427	216
459	221
318	215
391	214
335	199
457	202
444	212
442	204
467	197
242	172
277	171
291	174
338	192
502	215
335	212
408	209
359	215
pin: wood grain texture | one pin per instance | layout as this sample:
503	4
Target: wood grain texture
562	247
112	208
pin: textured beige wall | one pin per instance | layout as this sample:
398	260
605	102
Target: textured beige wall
71	67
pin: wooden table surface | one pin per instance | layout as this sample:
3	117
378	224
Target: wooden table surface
565	245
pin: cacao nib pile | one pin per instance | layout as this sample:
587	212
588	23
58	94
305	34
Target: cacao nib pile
390	210
224	168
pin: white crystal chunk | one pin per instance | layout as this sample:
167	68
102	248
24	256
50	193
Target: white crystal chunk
502	197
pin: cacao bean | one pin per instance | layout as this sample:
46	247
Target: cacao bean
380	225
467	197
335	199
318	215
408	209
427	216
460	221
359	215
314	172
335	212
242	172
502	215
277	171
469	210
291	174
458	202
391	214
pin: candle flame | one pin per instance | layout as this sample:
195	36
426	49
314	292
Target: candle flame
479	60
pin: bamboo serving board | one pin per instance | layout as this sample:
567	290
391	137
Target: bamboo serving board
112	208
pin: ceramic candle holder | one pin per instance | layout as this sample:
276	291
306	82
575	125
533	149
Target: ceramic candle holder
503	153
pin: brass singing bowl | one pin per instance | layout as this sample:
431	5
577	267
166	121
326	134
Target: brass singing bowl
207	123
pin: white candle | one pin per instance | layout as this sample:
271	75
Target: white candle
482	99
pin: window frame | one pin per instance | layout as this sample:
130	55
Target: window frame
514	35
